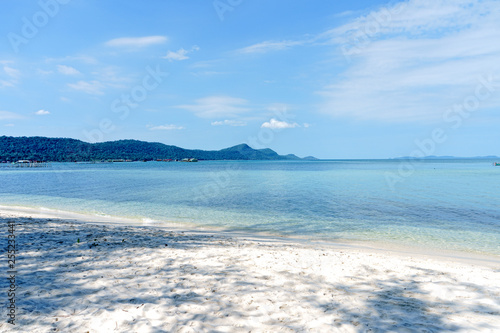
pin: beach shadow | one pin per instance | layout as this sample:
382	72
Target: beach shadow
50	255
391	308
69	273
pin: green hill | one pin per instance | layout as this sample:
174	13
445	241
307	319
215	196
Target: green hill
71	150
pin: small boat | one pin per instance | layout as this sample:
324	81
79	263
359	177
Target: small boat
496	164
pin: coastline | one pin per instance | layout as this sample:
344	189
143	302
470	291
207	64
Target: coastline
104	274
489	260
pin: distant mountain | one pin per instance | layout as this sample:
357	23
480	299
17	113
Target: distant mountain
69	150
257	154
432	157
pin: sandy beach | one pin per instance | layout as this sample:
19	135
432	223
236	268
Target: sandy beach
94	275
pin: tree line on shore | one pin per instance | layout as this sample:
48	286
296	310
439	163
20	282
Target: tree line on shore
71	150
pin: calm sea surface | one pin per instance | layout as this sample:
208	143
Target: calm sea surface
446	204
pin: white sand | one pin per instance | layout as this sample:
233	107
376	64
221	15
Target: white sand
121	278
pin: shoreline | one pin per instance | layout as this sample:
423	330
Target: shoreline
489	260
104	276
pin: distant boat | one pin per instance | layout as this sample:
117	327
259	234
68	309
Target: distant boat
496	164
189	160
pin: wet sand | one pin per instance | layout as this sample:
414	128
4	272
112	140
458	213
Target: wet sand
77	274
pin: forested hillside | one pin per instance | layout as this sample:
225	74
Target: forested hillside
71	150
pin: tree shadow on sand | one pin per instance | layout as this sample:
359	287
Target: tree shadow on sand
69	274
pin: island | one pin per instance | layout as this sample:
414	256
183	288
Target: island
13	149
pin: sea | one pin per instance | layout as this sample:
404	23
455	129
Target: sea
450	204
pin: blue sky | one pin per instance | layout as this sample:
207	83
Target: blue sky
359	79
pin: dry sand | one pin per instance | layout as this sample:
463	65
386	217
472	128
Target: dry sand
76	276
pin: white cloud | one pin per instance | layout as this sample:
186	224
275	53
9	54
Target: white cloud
80	58
217	107
269	46
411	62
136	42
206	73
67	70
44	72
206	64
9	125
13	77
42	112
276	124
109	77
5	83
9	115
165	128
112	76
229	123
12	72
278	108
89	87
415	17
181	54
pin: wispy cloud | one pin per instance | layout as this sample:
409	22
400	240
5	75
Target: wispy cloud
6	83
12	78
420	59
86	59
181	54
269	46
12	72
229	123
112	76
418	17
43	72
206	73
67	70
4	115
89	87
109	77
165	128
206	64
136	42
277	124
42	112
217	107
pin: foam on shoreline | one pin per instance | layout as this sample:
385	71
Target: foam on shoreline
109	275
367	246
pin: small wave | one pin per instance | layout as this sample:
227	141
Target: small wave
148	220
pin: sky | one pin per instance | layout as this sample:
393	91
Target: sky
331	79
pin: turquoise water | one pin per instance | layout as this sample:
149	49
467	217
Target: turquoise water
447	204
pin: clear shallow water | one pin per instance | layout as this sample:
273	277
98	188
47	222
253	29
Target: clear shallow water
449	204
